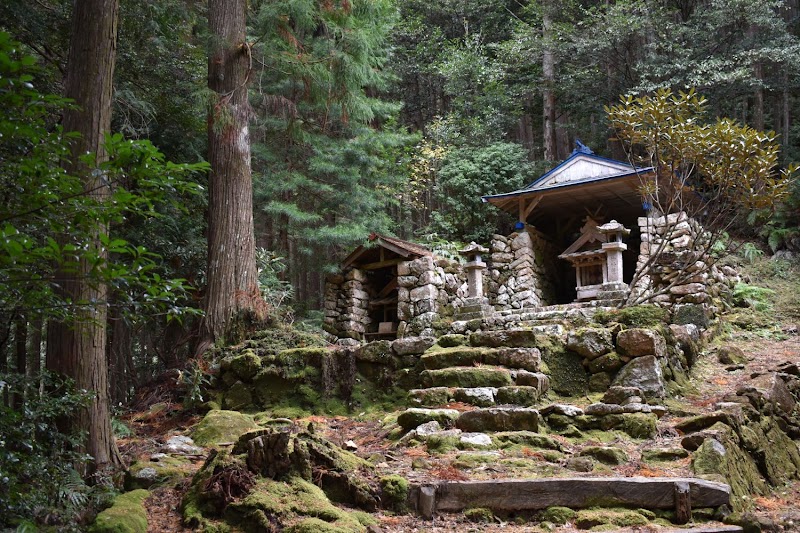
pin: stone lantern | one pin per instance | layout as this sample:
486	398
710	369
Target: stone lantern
475	305
613	247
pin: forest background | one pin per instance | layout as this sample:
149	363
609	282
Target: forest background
366	116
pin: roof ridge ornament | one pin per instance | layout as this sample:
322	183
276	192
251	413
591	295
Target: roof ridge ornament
581	148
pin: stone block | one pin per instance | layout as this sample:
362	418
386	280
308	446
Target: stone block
412	345
590	342
645	374
425	292
355	274
499	419
636	342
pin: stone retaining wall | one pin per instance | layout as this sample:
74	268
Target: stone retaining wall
427	286
682	245
346	305
518	275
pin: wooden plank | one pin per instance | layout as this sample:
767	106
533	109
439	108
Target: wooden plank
532	494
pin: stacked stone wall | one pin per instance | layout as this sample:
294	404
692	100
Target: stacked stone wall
347	305
519	275
426	287
680	273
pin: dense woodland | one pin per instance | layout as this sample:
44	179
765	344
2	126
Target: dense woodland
346	117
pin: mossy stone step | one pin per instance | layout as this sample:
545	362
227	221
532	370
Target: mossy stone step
499	419
413	417
456	356
467	377
478	396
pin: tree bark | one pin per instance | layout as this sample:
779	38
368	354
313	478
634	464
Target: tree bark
548	91
232	277
78	348
21	352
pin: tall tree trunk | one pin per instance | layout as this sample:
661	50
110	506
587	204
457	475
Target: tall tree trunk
34	366
549	75
78	348
21	352
232	286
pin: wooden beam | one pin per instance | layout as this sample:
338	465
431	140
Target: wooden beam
576	493
526	207
381	264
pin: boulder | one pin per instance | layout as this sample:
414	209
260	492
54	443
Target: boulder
636	342
220	426
773	390
645	374
606	363
619	395
590	342
412	345
731	355
480	440
180	444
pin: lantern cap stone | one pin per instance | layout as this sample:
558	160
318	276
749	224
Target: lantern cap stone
473	248
613	227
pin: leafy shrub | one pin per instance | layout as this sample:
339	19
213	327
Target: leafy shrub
38	479
758	298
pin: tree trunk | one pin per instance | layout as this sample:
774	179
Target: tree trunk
232	287
21	352
78	348
548	91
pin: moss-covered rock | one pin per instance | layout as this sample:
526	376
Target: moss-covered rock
558	515
591	518
376	352
606	363
518	395
599	382
244	365
457	356
526	438
637	316
567	374
454	339
394	492
590	342
430	397
605	454
167	469
499	419
126	515
638	425
664	454
237	397
411	418
297	503
480	515
467	377
220	426
511	338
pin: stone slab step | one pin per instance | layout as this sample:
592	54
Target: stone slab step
705	529
499	419
467	377
478	396
413	417
522	358
576	493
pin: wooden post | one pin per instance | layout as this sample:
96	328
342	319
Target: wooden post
683	502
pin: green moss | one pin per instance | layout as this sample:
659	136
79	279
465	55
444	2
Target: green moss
590	518
287	501
567	375
456	356
480	376
605	363
126	515
245	365
237	397
606	454
222	426
315	525
448	341
639	425
394	491
637	316
168	469
507	439
479	515
558	515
